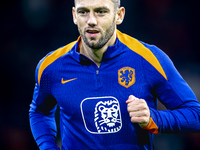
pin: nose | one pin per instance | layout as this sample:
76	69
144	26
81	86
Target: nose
92	21
109	114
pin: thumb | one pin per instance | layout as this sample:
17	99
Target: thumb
131	98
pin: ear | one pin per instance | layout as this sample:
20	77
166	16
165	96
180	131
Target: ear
120	15
74	15
101	108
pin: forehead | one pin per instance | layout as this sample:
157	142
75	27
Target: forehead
94	3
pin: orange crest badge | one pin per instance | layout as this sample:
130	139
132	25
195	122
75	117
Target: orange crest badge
126	76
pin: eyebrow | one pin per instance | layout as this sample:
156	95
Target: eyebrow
95	9
102	8
81	8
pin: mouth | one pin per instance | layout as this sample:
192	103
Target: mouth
92	32
110	124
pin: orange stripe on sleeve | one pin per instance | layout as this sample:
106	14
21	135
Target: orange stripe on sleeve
140	49
51	58
152	127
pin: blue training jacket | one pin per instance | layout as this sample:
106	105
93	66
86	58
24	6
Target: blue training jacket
92	100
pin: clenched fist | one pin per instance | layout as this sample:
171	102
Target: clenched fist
138	111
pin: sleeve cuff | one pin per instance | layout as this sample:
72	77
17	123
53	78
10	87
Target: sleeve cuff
152	127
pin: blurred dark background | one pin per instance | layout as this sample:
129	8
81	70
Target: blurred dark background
29	29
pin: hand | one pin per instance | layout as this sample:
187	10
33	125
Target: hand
138	111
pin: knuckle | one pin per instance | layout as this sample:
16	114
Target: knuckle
129	109
143	101
146	112
133	119
131	114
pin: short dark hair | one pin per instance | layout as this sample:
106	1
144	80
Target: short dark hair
116	3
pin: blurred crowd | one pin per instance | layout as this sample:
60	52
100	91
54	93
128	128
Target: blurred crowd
29	29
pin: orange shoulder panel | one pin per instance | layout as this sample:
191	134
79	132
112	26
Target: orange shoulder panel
140	49
51	58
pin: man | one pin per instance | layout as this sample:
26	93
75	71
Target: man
107	84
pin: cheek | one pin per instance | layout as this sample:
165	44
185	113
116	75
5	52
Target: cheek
115	115
103	115
80	23
106	23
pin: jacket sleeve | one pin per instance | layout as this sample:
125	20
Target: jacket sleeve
42	114
183	109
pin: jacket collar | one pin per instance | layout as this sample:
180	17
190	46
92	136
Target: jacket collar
110	53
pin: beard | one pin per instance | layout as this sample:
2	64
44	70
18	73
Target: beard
103	39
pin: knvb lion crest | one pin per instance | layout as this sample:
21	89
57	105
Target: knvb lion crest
126	76
107	116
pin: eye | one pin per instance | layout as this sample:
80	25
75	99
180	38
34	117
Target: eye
101	12
82	12
115	107
101	108
105	113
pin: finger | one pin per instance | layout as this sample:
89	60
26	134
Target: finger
143	121
137	105
141	113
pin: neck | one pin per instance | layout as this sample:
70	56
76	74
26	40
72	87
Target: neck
96	55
